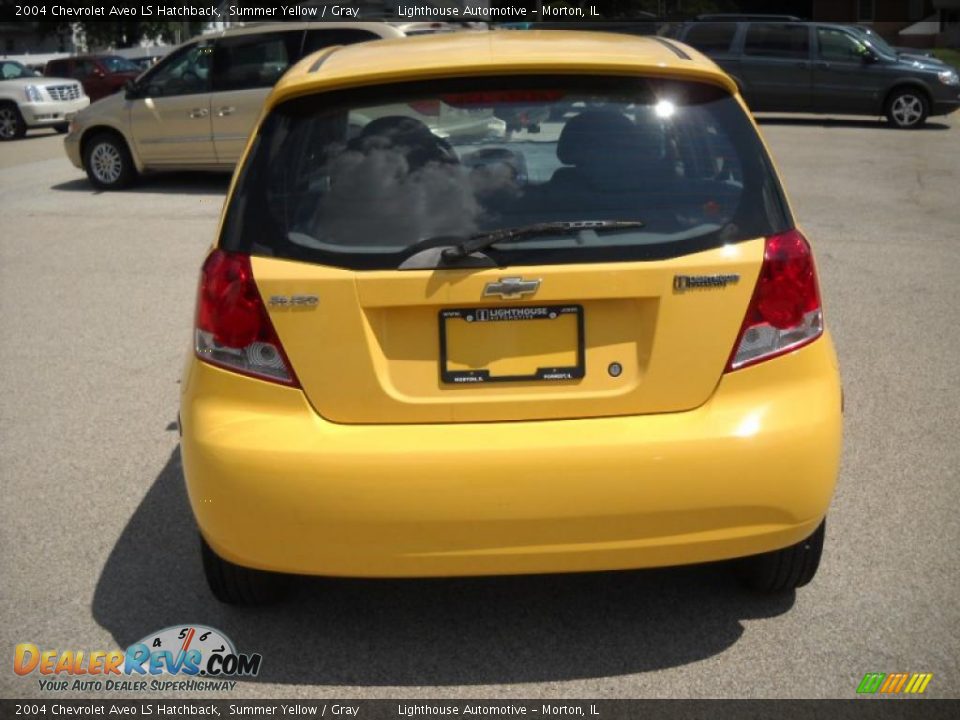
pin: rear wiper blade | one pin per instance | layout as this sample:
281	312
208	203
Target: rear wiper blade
479	241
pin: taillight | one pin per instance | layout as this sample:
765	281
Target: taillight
233	329
430	108
784	313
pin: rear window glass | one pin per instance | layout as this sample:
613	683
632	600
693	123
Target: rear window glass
711	37
361	178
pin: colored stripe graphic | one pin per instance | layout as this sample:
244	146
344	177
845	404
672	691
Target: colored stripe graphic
894	683
918	683
871	682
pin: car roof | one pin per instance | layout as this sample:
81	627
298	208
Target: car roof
379	28
746	17
492	53
90	56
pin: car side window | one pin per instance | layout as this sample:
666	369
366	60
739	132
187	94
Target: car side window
57	68
253	61
711	36
320	39
184	72
838	46
784	40
82	69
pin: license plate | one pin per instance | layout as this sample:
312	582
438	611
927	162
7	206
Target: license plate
541	343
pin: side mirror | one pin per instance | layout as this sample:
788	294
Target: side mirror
130	90
868	56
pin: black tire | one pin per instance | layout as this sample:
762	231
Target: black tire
784	570
237	585
108	162
907	108
62	128
12	125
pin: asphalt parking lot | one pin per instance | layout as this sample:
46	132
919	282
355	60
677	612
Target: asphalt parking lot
99	549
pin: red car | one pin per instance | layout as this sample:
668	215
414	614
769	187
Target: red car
100	75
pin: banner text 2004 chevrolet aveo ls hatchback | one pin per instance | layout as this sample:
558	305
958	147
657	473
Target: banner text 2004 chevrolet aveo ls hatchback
597	346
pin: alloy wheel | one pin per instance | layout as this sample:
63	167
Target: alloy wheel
106	164
8	122
907	110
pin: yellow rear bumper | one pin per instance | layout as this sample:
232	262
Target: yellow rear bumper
275	486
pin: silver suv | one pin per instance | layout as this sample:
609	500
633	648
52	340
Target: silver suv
30	101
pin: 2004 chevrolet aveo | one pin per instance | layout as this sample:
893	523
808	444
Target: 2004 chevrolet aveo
594	346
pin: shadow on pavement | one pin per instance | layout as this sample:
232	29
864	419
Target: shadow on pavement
868	124
38	133
180	183
424	632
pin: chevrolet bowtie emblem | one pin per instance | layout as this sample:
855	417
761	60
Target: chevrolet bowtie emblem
511	287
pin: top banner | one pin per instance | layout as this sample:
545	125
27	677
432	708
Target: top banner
466	11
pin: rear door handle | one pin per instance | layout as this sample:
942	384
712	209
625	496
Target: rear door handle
823	65
199	113
224	111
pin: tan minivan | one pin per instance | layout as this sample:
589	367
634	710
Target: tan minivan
195	109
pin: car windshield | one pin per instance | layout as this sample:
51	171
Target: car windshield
116	64
10	70
357	178
875	41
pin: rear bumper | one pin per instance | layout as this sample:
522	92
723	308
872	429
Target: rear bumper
44	114
274	486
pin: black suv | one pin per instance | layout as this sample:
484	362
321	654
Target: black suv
789	66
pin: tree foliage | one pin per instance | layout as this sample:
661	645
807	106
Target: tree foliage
115	34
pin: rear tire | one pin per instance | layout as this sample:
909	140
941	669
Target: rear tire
12	125
907	108
108	162
237	585
784	570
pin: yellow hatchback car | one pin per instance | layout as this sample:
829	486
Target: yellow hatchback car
595	343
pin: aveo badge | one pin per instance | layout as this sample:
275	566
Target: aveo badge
200	657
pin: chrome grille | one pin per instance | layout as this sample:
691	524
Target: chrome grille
64	92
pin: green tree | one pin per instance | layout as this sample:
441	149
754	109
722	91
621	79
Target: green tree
123	33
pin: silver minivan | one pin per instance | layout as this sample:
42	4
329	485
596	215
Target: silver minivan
194	110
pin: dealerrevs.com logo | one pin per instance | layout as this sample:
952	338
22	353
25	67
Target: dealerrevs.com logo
180	657
894	683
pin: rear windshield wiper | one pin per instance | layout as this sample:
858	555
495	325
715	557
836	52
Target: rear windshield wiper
481	240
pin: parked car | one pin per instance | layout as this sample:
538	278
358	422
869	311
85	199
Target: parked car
28	100
825	68
101	75
591	349
195	108
749	17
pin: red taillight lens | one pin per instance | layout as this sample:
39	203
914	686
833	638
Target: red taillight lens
233	329
487	98
785	311
430	108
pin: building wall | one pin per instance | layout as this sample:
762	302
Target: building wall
902	12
